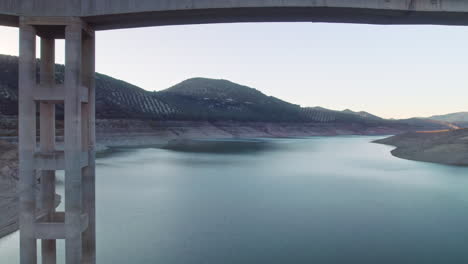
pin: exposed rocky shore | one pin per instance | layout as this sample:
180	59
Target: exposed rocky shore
445	147
8	181
124	132
115	133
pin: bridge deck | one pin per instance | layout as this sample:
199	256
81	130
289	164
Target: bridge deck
106	14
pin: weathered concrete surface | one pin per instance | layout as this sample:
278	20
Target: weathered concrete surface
47	144
89	145
27	144
73	137
106	14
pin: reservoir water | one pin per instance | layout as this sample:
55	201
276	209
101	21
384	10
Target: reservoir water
320	200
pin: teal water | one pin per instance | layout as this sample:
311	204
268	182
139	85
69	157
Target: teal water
320	200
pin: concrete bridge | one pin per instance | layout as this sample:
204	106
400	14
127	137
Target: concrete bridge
113	14
76	21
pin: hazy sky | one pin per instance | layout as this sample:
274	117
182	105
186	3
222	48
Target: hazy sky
391	71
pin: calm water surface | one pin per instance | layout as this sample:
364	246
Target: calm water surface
321	200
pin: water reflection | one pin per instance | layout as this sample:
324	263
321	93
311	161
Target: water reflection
241	146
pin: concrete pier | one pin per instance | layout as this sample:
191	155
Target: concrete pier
27	144
47	144
89	146
73	145
38	219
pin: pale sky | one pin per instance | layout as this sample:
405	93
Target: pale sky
390	71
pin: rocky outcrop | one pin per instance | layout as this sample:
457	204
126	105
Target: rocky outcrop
446	147
8	182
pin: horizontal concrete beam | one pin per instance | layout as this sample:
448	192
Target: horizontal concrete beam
54	23
9	20
55	160
55	93
105	14
56	228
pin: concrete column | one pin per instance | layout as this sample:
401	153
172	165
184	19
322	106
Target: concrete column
89	172
73	145
27	144
47	144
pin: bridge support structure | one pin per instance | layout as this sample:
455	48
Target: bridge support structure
38	162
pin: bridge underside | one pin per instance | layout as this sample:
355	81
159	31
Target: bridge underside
275	14
9	20
143	18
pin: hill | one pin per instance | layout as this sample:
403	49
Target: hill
460	119
114	98
199	99
220	100
320	114
363	114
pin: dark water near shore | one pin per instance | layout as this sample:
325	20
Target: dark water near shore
321	200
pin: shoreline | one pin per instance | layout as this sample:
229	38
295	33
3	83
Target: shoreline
446	147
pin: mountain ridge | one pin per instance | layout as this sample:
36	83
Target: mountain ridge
458	118
198	99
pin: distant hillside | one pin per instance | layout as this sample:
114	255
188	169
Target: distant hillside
199	99
114	98
321	114
209	99
460	119
362	114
